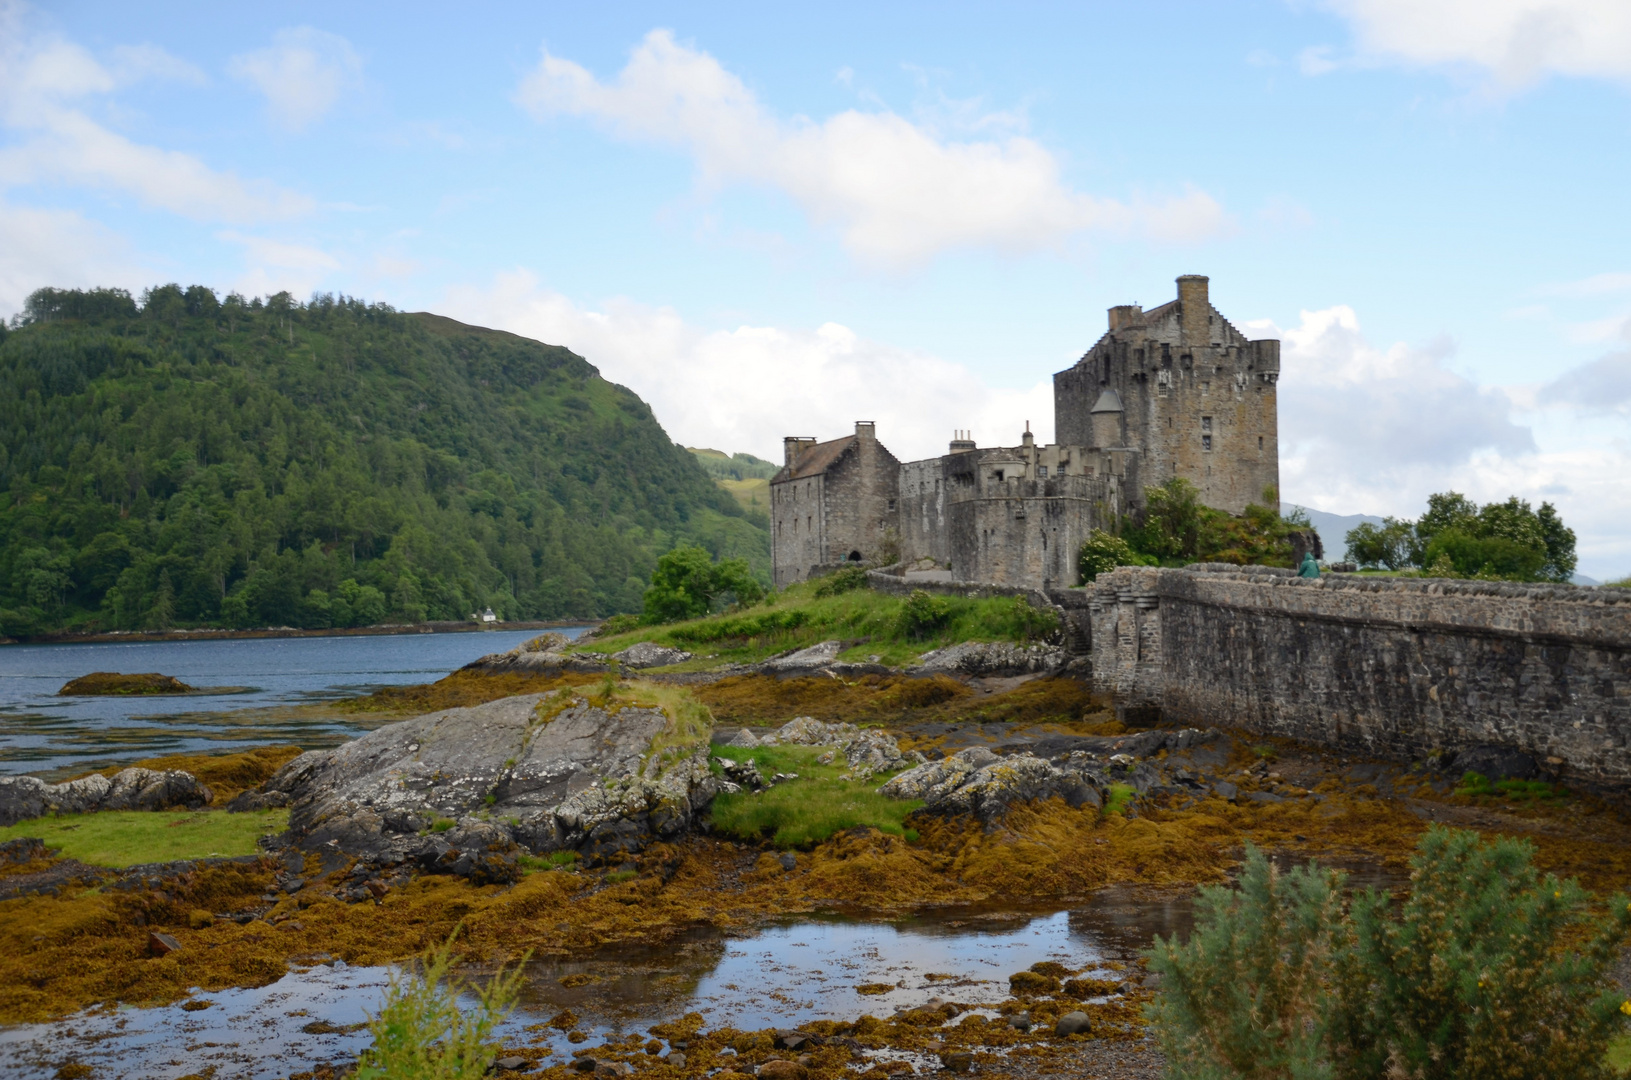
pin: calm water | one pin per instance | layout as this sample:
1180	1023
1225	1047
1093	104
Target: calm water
52	736
782	976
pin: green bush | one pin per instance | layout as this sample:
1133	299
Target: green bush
619	624
422	1034
844	579
923	614
1101	553
1488	971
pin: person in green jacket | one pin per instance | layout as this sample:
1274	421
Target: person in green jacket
1309	568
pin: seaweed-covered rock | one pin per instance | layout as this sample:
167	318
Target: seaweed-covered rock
114	684
865	751
26	797
464	790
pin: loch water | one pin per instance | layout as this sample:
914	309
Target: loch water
258	692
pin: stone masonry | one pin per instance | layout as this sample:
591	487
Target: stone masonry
1175	391
1397	668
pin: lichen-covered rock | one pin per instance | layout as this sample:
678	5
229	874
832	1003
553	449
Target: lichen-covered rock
26	797
934	780
463	790
816	656
644	654
865	751
993	658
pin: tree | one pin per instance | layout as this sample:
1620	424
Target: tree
1103	552
1387	545
687	584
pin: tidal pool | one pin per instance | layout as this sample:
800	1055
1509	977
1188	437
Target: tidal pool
783	975
53	736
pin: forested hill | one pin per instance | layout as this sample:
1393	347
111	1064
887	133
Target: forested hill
186	461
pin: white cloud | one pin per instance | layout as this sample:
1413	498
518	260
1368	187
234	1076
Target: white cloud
1516	42
1600	387
41	83
302	73
134	62
1366	429
1596	285
744	388
898	192
279	266
61	249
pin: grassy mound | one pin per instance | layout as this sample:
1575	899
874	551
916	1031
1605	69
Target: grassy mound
128	837
113	684
871	624
797	813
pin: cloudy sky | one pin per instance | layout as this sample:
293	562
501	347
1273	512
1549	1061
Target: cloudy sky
769	219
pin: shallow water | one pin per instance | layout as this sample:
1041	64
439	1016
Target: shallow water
52	736
784	975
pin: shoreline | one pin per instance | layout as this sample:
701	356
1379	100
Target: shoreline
104	637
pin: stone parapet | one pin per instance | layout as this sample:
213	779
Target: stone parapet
1392	667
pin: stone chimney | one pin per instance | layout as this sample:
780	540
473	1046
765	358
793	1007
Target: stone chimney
962	442
793	446
1125	315
866	430
1194	309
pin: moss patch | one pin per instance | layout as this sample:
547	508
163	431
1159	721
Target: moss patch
128	837
113	684
797	813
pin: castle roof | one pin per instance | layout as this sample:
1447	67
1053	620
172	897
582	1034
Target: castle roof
1109	402
815	461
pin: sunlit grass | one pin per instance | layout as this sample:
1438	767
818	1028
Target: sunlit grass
128	837
797	813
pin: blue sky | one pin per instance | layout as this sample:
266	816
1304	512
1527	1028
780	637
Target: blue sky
770	220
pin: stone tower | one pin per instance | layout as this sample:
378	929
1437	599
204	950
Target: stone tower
1180	392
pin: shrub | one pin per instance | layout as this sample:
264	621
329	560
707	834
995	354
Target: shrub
844	579
618	624
1488	971
923	614
1031	623
422	1034
1103	552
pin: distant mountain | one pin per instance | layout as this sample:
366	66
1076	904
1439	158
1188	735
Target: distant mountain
187	461
1333	528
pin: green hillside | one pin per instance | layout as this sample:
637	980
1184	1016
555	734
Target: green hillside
187	461
746	477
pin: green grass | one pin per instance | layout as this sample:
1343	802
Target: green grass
1120	796
1619	1053
128	837
796	618
1513	790
555	860
797	813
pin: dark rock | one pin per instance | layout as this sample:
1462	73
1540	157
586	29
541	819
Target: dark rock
788	860
534	772
21	850
584	1064
1073	1023
1225	790
512	1063
1262	797
1492	762
609	1070
958	1061
1020	1021
160	944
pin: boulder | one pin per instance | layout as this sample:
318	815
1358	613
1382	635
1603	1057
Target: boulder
644	654
464	790
865	752
1073	1023
26	797
993	658
979	783
816	656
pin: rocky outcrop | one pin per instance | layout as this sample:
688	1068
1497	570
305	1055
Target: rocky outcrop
114	684
465	790
865	751
983	784
644	654
993	658
819	655
26	797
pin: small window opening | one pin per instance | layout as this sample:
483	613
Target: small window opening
855	556
1260	442
997	476
1042	471
1206	442
1206	423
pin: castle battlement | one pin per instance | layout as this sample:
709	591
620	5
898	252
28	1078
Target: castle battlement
1173	391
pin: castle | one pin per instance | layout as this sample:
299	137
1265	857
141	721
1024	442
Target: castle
1174	391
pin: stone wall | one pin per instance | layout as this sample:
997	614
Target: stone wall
1396	668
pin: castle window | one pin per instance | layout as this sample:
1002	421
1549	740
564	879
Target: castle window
997	476
1206	442
1260	442
891	504
1206	423
1042	471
